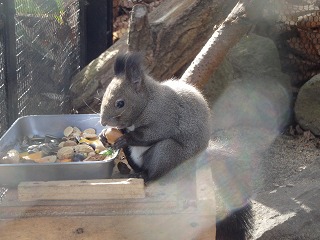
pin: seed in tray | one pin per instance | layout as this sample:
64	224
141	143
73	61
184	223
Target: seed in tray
89	135
78	157
32	156
12	156
67	143
48	136
47	159
96	144
49	148
67	131
90	131
37	139
52	141
33	149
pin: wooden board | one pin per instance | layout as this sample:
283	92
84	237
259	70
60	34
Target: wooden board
183	209
205	192
142	227
82	189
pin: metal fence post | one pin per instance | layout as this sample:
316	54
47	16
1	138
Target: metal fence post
98	27
11	61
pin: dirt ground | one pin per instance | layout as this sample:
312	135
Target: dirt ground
287	204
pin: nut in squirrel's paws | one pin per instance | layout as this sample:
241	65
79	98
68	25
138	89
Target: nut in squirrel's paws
110	135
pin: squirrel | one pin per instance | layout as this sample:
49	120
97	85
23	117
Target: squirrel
164	123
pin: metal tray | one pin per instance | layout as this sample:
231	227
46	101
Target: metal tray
12	174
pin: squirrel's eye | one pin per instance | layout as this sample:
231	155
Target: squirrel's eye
119	103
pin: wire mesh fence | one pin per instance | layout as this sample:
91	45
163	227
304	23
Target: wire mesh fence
45	52
294	25
43	43
3	90
47	49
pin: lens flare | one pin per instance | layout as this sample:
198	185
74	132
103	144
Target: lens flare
246	119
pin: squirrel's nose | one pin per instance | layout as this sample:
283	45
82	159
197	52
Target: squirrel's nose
103	121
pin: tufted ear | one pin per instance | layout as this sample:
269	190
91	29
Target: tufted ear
130	65
119	65
134	70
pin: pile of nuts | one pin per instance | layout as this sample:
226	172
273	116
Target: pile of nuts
75	146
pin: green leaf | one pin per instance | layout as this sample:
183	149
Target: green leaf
107	152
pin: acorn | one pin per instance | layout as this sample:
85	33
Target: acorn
112	134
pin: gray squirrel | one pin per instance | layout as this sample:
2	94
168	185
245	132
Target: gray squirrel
164	124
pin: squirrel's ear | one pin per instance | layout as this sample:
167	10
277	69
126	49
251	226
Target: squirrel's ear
134	70
119	65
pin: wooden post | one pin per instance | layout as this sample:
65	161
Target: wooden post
139	38
139	35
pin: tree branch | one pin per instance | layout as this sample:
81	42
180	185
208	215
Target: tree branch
225	37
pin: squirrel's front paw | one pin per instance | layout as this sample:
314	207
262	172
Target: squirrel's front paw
103	138
120	142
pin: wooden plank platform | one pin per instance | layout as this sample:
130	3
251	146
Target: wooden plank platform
82	189
142	227
183	209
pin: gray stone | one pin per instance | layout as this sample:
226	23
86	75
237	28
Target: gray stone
307	106
219	81
257	102
249	88
255	55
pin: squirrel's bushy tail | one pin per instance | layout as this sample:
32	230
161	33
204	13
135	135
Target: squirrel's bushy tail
236	226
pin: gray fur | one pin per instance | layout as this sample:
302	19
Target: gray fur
170	118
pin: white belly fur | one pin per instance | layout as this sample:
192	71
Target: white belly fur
136	154
136	151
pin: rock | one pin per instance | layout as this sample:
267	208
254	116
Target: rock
261	103
249	88
255	55
307	106
219	81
